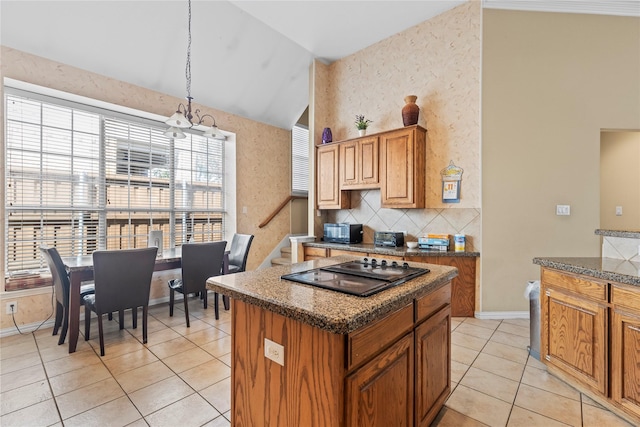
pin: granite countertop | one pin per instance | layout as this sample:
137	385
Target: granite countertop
329	310
633	234
384	250
611	269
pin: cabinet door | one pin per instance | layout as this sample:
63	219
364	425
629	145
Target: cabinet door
625	360
359	163
463	292
433	368
380	393
402	168
349	164
574	337
328	191
368	164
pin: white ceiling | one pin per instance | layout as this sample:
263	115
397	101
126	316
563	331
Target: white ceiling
249	58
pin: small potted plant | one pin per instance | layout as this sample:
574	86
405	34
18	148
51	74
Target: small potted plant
362	124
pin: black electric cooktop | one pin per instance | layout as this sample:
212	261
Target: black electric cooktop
361	278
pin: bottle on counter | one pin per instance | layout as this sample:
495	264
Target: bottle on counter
459	242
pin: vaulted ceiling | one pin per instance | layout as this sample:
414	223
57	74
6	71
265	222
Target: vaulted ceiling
249	58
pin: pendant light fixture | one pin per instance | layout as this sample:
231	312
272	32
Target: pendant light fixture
184	118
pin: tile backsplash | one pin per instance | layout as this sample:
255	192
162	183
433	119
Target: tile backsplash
366	210
626	248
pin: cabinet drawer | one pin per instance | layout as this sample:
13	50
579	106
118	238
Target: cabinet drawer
626	296
367	341
429	304
337	252
581	285
315	253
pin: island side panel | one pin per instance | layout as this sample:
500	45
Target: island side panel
307	391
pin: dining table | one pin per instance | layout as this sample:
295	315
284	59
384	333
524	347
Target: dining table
80	269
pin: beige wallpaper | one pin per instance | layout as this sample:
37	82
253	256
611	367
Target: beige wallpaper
439	62
550	83
260	186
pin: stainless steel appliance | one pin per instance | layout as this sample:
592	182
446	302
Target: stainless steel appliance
361	278
388	238
342	233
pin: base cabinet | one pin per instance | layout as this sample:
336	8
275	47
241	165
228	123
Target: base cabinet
625	348
393	372
384	382
590	333
433	366
576	337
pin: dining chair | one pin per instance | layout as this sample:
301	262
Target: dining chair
199	262
61	287
238	255
122	281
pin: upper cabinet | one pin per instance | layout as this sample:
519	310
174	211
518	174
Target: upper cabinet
402	167
328	194
393	161
359	163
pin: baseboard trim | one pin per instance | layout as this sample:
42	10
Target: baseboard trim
500	315
28	328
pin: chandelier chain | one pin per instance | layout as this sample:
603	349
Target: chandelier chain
187	71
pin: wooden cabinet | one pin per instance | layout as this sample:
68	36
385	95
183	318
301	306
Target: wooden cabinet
359	163
575	327
463	294
392	372
625	348
314	253
328	194
393	161
402	168
433	368
381	392
590	332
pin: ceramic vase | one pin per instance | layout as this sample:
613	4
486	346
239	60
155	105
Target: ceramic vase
362	132
326	136
410	111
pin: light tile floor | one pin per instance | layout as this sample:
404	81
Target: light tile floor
182	377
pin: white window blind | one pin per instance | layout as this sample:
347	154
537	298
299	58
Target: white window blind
80	178
300	160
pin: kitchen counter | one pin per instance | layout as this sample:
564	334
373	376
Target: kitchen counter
328	310
615	270
384	250
307	356
632	234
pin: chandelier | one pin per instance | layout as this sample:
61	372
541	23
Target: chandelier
184	117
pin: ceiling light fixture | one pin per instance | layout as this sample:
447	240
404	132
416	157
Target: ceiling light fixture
184	117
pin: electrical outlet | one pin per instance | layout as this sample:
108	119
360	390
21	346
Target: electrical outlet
13	304
274	351
618	210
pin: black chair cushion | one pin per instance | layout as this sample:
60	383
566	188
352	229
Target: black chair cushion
86	290
176	285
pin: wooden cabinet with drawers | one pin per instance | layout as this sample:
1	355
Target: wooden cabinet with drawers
590	332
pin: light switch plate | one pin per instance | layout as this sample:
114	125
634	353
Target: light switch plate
563	209
274	351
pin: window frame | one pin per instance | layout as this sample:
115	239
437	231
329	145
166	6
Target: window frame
175	212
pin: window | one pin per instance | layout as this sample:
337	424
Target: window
300	160
81	178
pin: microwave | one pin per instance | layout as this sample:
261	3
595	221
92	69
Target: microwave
342	233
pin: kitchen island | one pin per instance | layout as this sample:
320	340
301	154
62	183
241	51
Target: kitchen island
306	356
590	328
